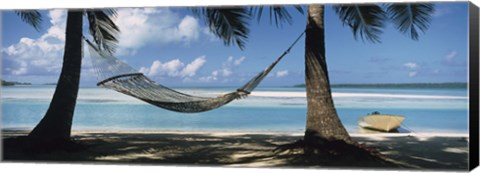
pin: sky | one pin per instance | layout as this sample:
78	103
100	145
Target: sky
175	48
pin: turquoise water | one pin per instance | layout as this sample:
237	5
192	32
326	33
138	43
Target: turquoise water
268	109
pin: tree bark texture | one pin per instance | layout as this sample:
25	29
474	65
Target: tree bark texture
323	122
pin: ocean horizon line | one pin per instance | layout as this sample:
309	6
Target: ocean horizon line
112	96
332	85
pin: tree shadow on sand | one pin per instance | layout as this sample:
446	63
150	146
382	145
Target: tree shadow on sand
252	150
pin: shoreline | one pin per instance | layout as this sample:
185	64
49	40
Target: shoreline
270	94
241	132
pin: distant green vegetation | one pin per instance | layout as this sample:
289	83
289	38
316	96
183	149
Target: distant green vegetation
398	85
13	83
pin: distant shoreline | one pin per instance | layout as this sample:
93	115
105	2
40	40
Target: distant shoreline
13	83
398	85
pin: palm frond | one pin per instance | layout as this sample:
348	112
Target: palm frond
31	17
408	18
110	12
229	24
103	29
279	14
366	21
299	9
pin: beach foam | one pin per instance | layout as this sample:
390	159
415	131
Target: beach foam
100	94
342	94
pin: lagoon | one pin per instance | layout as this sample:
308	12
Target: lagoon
268	109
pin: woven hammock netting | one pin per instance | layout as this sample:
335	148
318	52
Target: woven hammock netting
116	75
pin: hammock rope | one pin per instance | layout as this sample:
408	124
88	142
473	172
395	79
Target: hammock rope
117	75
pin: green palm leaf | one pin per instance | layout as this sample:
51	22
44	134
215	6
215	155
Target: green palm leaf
279	14
103	29
408	18
31	17
364	20
229	24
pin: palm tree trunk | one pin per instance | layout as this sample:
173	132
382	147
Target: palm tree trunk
323	123
57	123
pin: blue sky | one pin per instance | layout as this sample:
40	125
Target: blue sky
174	47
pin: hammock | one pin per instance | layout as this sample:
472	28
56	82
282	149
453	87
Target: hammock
117	75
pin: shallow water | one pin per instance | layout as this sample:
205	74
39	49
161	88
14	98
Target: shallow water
267	109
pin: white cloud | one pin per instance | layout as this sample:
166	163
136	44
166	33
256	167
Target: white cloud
411	65
239	61
142	26
412	74
225	71
188	28
42	55
171	68
174	68
450	56
442	11
232	62
211	77
451	60
22	69
57	17
215	73
59	22
191	69
210	36
282	73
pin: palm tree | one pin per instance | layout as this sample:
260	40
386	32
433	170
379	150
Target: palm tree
229	24
365	21
55	126
322	119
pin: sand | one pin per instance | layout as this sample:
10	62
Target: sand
241	149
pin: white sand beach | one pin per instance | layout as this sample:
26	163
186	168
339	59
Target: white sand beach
339	94
433	151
